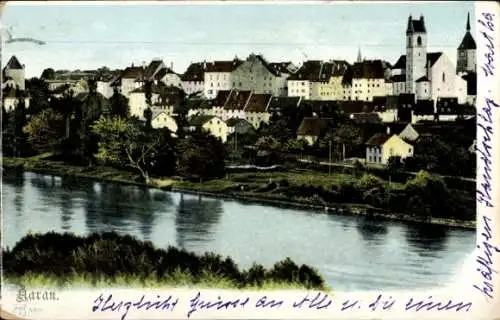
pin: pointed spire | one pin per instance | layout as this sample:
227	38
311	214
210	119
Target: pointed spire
359	55
409	28
468	22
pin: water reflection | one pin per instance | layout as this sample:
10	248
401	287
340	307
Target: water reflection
426	238
16	179
66	210
195	218
370	229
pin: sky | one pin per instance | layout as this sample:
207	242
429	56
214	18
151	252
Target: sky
94	34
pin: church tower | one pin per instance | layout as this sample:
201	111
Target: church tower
466	52
359	59
416	52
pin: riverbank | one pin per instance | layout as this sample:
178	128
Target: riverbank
265	188
113	260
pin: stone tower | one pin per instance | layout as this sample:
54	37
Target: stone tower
15	71
416	52
466	52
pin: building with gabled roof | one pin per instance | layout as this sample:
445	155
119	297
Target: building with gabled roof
382	146
366	80
211	124
311	128
193	79
261	77
15	73
218	76
256	109
318	80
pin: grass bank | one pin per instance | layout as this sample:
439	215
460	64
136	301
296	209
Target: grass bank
108	259
337	193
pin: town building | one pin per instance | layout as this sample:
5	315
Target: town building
193	80
259	76
239	126
218	76
161	119
318	80
365	80
12	96
311	128
211	124
381	146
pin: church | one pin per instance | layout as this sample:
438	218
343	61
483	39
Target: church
432	75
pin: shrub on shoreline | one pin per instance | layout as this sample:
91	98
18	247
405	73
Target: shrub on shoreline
109	256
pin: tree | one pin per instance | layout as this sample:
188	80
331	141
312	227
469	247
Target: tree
267	143
148	115
278	129
39	95
15	138
45	131
201	156
148	93
394	166
118	105
48	74
349	137
124	142
89	110
294	145
428	194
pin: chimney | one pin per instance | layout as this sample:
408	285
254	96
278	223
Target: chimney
204	64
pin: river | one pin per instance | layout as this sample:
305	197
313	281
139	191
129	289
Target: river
352	253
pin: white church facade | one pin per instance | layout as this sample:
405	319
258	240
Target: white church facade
428	75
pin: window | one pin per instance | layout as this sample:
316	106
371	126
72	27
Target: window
211	84
409	150
444	78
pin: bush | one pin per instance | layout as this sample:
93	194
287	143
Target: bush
112	255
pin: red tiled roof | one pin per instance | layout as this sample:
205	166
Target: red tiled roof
237	100
195	72
378	139
221	98
315	70
258	102
223	66
132	73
